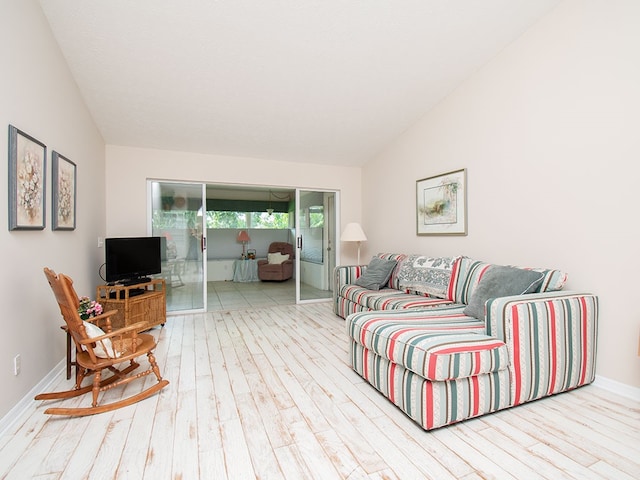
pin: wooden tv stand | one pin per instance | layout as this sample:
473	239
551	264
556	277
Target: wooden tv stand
142	302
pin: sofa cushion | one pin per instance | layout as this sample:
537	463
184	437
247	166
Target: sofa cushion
426	275
465	278
377	274
432	404
387	298
468	272
499	281
438	344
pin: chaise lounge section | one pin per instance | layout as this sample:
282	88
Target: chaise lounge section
458	352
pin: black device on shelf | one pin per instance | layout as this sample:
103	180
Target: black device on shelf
129	260
120	294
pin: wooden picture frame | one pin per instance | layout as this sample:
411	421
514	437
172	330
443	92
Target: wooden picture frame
441	204
63	181
27	181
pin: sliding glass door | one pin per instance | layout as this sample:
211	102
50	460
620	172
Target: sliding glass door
177	217
181	213
315	244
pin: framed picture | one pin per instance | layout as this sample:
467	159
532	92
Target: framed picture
441	204
27	181
64	192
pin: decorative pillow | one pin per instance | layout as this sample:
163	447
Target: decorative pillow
552	280
377	274
499	281
426	275
277	258
398	257
103	348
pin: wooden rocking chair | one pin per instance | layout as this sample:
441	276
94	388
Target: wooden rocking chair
103	352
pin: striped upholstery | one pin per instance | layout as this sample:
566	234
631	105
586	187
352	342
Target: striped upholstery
349	298
344	307
344	275
441	346
551	340
465	278
468	272
387	298
432	404
440	366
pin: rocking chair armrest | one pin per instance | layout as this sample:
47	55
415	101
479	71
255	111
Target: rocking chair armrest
103	318
135	328
116	333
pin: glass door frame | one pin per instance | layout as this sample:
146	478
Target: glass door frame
203	234
332	247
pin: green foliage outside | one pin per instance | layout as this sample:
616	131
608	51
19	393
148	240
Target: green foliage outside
316	219
226	220
163	220
264	220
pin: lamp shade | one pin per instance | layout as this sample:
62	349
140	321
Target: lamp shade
243	236
353	233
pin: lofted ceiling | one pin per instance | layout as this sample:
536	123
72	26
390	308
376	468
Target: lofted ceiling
319	81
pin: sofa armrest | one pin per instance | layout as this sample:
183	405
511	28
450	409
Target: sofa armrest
344	274
551	338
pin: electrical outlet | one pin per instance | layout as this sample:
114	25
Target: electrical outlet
100	242
16	364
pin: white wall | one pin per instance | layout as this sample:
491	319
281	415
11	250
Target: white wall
129	168
38	96
549	132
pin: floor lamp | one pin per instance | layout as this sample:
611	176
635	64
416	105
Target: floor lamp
353	233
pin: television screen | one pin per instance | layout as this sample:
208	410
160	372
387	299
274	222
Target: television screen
131	259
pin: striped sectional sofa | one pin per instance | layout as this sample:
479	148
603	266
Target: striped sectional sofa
440	365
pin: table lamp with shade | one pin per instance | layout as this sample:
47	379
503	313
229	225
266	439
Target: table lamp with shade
353	233
243	237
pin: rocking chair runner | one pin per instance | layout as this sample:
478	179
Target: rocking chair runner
103	352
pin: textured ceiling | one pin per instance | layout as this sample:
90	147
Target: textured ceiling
322	81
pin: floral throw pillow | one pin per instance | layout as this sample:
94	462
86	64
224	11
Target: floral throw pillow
428	276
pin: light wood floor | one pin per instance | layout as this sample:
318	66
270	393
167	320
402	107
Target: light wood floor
266	393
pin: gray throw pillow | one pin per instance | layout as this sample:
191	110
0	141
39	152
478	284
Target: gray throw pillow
499	281
377	274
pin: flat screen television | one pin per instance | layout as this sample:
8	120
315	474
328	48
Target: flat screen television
130	260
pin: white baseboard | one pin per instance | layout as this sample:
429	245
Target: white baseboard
21	407
618	388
